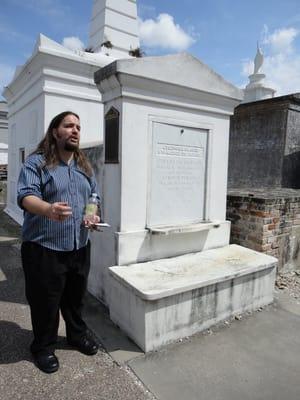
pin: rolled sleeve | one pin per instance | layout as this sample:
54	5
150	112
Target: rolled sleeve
29	182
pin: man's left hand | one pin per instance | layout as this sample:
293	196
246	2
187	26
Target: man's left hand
89	221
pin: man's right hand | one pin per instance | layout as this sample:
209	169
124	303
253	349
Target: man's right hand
59	211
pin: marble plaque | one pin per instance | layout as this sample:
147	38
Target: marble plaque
178	175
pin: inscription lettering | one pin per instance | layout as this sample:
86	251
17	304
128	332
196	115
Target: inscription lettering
178	175
179	168
165	149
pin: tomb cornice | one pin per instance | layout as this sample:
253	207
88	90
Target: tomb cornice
44	74
145	89
153	79
182	70
50	56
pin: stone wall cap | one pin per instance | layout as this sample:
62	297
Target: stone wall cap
265	194
293	98
181	69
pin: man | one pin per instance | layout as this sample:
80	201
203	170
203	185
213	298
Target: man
54	186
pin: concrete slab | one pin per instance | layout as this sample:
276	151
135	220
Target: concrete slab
256	358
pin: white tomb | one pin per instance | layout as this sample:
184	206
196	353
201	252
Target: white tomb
3	133
164	195
53	80
56	79
3	154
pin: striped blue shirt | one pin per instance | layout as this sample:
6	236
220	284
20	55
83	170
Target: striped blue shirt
63	183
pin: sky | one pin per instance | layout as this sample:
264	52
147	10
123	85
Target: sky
221	33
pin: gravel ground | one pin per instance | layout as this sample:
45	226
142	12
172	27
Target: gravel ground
289	282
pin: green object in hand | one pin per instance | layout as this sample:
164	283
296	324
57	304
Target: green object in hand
91	209
92	206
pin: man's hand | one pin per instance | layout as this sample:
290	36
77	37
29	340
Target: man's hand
59	211
90	220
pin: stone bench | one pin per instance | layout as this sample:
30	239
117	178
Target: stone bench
161	301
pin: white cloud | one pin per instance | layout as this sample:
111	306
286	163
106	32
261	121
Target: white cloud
73	43
164	33
283	73
6	75
281	41
281	61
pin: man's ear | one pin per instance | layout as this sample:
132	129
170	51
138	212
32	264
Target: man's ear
54	133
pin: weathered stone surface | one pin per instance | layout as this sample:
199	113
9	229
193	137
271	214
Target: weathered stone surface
264	148
161	301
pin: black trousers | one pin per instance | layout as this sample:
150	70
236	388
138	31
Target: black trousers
55	280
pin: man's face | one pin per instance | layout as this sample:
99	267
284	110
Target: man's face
67	135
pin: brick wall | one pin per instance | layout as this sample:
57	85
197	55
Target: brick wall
267	221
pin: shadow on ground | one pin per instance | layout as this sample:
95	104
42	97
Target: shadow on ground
11	276
14	343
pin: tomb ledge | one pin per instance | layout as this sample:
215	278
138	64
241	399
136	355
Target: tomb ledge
186	228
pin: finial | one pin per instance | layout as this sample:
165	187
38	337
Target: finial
258	60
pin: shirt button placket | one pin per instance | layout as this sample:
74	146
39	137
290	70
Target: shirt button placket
75	208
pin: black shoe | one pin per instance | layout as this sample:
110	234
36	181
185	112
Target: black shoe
85	345
46	361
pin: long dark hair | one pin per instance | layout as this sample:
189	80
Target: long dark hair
48	146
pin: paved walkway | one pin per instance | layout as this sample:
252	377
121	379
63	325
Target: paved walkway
256	357
79	377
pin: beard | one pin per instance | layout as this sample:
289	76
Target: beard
69	146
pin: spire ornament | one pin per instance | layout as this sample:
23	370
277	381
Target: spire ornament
256	89
258	60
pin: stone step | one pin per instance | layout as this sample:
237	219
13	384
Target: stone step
161	301
7	240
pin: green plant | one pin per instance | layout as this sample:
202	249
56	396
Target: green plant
138	52
107	44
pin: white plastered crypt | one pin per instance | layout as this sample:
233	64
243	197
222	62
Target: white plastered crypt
166	269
